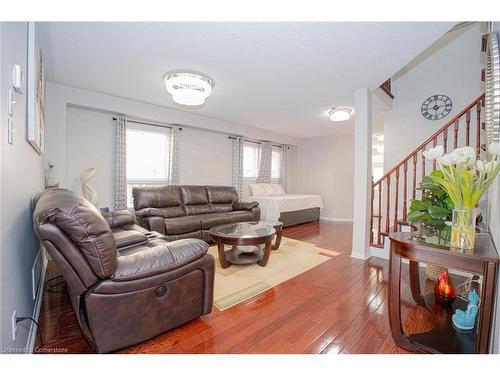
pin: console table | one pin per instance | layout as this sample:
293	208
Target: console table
444	338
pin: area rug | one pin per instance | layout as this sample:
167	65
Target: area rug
239	283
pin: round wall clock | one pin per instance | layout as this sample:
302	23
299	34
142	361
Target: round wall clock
436	107
492	94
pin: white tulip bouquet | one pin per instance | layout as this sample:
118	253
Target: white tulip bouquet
465	179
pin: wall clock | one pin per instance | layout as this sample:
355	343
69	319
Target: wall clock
436	107
492	94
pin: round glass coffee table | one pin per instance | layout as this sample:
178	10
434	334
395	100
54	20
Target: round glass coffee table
251	242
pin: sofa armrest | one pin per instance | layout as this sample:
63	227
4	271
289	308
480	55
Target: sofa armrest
244	206
152	261
118	219
149	212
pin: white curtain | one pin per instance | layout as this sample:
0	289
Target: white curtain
284	167
120	181
238	165
265	164
174	161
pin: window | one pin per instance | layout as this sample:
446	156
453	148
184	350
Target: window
250	160
276	162
148	155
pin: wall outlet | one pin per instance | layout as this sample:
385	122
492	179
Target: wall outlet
14	325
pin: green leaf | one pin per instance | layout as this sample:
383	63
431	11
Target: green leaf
415	216
416	205
437	173
438	212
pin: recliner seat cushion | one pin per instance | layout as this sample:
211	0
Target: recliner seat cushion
83	223
163	257
180	225
126	238
212	220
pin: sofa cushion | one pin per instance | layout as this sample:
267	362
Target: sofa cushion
156	196
212	220
222	194
239	216
183	224
194	195
198	209
221	207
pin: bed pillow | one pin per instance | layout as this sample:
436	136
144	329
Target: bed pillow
269	189
279	189
257	189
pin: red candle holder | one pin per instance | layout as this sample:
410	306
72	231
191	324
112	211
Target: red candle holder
444	292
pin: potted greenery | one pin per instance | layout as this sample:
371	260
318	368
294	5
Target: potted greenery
434	210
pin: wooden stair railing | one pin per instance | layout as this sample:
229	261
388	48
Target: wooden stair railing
390	192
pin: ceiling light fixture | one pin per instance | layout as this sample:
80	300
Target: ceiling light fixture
188	88
340	113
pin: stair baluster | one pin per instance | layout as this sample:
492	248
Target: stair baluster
391	217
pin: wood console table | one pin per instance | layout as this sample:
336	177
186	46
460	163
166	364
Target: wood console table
444	338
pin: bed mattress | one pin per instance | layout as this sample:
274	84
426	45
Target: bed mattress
272	206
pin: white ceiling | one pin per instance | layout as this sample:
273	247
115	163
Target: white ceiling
277	76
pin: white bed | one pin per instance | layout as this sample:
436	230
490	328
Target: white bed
272	206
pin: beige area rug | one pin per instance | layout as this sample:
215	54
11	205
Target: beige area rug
239	283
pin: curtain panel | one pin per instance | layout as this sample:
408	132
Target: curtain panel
173	163
237	173
265	165
120	178
284	167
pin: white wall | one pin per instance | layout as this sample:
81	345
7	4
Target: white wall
326	168
21	177
451	67
79	135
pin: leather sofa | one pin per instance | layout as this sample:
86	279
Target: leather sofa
126	284
189	211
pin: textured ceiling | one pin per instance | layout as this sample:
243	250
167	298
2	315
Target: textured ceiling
277	76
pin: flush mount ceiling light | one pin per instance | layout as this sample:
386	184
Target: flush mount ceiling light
340	113
188	88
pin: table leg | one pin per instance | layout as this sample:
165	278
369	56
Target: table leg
487	296
395	303
277	243
222	255
415	283
267	253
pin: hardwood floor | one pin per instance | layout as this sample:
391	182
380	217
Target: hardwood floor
339	306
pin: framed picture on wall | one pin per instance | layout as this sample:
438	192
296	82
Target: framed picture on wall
35	82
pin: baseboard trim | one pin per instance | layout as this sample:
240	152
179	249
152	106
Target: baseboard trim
30	343
340	219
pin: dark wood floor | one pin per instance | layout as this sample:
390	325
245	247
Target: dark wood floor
339	306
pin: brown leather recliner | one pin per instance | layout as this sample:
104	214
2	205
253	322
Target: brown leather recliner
189	211
126	284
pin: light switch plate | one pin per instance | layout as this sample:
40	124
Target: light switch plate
11	102
17	78
10	130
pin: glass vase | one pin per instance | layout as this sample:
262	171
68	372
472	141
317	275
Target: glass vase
463	229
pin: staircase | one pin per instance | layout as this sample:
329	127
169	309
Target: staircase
391	194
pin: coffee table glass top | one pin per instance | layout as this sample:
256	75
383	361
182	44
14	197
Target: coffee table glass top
252	229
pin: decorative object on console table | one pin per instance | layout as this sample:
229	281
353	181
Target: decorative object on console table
444	292
465	320
444	338
465	179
